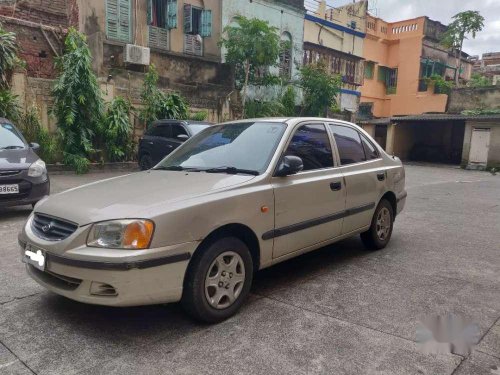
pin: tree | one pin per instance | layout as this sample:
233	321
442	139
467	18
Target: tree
78	104
8	54
251	44
463	24
320	89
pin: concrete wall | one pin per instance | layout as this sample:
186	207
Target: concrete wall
474	98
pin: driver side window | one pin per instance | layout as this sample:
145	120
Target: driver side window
312	144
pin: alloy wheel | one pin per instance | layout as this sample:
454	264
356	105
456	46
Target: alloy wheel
384	223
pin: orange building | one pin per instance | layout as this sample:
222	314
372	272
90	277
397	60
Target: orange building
399	57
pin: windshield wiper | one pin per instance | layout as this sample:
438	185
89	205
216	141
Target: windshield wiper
11	148
232	170
176	168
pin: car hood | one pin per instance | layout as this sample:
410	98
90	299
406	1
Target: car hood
17	159
137	195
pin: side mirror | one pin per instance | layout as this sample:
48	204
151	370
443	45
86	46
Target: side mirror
290	165
34	146
183	137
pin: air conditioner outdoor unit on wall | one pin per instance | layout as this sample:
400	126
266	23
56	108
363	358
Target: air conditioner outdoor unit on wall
137	55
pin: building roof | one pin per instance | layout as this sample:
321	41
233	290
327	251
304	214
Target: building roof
444	117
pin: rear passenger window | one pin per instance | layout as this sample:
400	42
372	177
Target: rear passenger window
349	144
370	150
312	144
162	131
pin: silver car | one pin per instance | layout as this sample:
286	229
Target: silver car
234	199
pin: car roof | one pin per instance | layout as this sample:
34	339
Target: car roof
185	122
290	120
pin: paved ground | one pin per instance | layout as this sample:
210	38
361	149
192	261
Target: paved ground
339	310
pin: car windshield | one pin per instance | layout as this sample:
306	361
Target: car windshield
232	148
197	128
10	139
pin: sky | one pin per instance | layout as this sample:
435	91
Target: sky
443	10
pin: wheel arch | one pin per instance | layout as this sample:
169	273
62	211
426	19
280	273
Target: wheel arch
391	198
237	230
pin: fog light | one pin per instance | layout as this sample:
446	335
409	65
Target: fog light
103	290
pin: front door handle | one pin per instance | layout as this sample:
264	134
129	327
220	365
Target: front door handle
336	186
381	176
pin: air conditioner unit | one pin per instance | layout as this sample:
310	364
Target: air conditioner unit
137	55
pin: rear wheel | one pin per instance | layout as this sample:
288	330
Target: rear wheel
146	162
218	280
380	232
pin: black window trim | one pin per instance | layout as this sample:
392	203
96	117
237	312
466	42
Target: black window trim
340	165
290	138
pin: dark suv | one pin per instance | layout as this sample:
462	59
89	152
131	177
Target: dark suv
23	175
165	136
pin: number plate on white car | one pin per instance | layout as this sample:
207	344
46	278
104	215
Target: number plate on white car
34	256
9	189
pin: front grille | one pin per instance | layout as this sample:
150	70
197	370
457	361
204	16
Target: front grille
5	173
52	229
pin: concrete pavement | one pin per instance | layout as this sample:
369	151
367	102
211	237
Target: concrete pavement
339	310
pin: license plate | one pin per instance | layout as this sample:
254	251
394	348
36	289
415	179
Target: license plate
35	257
9	189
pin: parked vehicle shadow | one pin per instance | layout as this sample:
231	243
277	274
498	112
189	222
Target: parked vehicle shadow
15	213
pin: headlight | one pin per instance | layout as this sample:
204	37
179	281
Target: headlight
122	234
37	169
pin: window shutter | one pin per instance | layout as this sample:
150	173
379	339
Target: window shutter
150	12
192	45
172	14
124	29
206	23
158	38
188	18
112	19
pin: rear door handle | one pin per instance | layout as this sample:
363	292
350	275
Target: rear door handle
381	176
336	186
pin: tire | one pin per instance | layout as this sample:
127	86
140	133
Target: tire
211	292
146	162
380	232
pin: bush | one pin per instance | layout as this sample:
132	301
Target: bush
32	129
78	104
117	130
158	105
9	106
288	101
257	109
199	116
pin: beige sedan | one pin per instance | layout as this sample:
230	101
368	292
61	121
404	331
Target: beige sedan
236	198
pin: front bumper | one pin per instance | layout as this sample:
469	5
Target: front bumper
31	190
133	281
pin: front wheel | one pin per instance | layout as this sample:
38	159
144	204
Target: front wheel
380	232
218	281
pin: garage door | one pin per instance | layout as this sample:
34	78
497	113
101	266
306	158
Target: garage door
480	145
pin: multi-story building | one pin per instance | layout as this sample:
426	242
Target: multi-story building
488	66
400	57
287	16
179	36
335	36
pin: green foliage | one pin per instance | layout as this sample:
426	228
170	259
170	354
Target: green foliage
441	86
478	80
78	104
8	54
117	130
199	116
158	105
32	129
252	45
9	106
257	108
320	89
288	101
